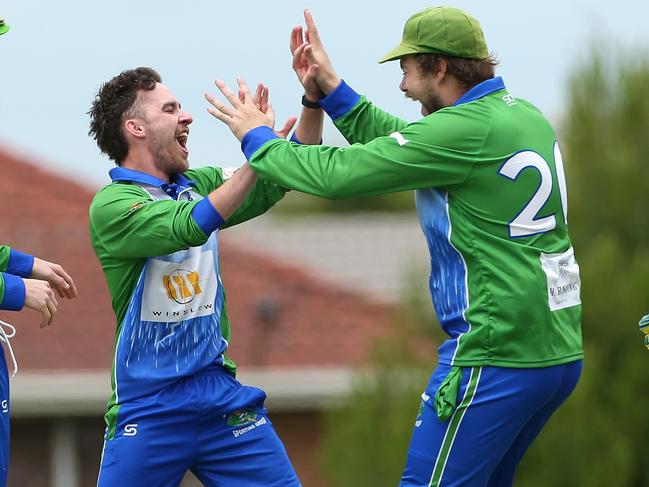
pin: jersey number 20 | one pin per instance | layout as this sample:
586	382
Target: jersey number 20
526	223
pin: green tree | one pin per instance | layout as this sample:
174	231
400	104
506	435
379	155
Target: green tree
366	438
599	437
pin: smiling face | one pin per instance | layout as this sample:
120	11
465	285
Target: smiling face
421	87
166	127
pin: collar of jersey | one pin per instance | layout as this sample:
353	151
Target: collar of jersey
133	176
481	89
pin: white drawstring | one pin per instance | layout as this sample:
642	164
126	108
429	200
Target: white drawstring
4	336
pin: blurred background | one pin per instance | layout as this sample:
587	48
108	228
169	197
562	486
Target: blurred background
328	300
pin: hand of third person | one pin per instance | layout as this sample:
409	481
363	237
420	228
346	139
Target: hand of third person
53	273
40	297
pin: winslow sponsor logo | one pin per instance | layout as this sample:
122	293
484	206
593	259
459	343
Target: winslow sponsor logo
185	312
182	285
176	291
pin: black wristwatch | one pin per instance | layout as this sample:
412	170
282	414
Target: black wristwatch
309	103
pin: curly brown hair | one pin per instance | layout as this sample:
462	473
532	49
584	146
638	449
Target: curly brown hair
115	102
468	72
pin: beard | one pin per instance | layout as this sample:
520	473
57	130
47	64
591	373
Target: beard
431	104
168	157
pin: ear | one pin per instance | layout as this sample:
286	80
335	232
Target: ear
442	66
135	127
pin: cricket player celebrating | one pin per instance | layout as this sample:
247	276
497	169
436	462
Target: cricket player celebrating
492	201
176	404
30	282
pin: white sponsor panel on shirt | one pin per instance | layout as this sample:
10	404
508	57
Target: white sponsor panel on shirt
175	291
562	273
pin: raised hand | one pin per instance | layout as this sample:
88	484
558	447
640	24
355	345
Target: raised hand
305	72
40	297
244	114
260	99
315	53
53	273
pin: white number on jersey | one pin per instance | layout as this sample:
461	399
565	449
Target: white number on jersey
526	223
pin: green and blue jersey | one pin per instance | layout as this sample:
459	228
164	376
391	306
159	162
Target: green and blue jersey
492	202
158	246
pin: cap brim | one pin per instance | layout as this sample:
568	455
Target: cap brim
4	29
398	52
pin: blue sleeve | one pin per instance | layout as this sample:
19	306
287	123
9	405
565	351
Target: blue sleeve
20	264
299	142
13	298
295	139
340	101
255	138
206	216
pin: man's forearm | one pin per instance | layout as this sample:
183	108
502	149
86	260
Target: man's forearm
309	128
229	196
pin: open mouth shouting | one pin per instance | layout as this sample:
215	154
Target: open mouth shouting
182	141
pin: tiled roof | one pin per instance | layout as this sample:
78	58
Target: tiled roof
385	255
281	314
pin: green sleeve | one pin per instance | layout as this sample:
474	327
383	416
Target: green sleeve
437	151
262	196
365	122
4	260
126	223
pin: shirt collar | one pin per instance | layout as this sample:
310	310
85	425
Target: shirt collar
133	176
481	89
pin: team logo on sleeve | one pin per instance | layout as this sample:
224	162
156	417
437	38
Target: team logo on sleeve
135	207
176	291
399	138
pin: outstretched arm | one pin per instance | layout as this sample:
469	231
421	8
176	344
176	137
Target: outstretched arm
322	84
309	129
126	223
435	152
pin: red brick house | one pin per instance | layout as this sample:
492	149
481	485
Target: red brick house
294	335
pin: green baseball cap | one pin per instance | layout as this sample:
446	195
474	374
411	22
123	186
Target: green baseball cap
4	28
441	30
